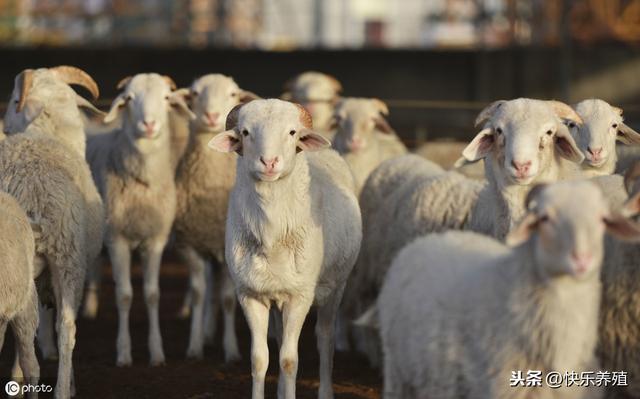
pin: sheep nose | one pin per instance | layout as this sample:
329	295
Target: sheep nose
521	167
595	152
148	124
581	261
269	163
212	117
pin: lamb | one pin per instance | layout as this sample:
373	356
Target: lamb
136	180
523	142
363	137
460	312
603	126
293	232
203	182
19	305
44	170
318	93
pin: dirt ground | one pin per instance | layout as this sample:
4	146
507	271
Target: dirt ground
98	377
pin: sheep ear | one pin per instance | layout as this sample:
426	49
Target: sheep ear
177	101
488	112
381	106
622	228
383	126
184	92
523	230
566	145
632	206
627	135
88	108
246	96
311	141
227	141
116	107
565	112
480	146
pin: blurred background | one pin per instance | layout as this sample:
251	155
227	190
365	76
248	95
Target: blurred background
435	62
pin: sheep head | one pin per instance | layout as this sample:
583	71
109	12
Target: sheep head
569	238
268	134
523	136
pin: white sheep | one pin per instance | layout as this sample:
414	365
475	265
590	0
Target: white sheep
19	305
318	93
44	169
363	136
525	133
293	232
136	180
602	127
459	313
203	182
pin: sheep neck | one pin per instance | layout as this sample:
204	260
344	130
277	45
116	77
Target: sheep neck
68	129
272	211
510	197
562	310
142	160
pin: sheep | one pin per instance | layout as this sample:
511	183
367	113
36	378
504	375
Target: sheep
136	180
603	126
619	334
529	131
363	137
293	232
459	312
203	182
19	305
318	93
44	170
101	134
447	154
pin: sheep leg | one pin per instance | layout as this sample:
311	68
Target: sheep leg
275	322
197	287
120	255
325	333
294	313
211	303
230	341
342	333
66	292
185	309
257	315
3	330
46	336
152	300
94	278
24	327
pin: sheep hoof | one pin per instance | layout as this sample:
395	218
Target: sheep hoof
196	354
124	361
157	361
232	357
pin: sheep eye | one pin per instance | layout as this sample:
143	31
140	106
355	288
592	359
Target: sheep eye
543	218
571	125
549	132
234	94
292	133
615	126
499	130
166	98
245	132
